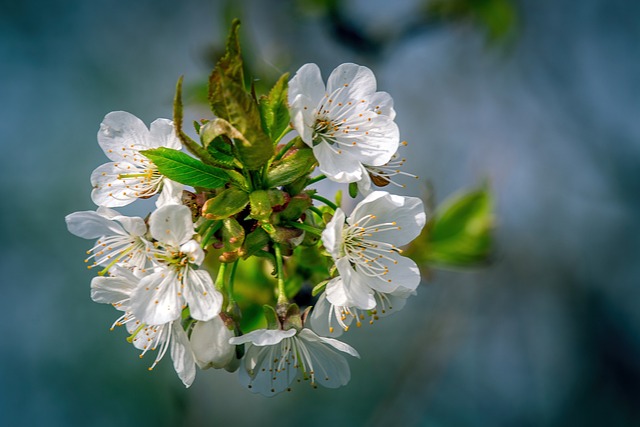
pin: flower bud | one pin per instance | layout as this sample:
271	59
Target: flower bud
210	344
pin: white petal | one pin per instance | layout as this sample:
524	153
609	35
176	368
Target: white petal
332	234
91	225
121	134
111	191
383	103
330	368
338	167
404	274
321	318
163	134
307	82
157	299
171	193
376	141
309	335
360	80
353	291
171	225
135	226
204	300
364	185
181	354
407	212
303	117
112	290
210	344
193	250
263	337
257	375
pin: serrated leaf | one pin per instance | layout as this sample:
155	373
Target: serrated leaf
182	168
291	168
230	101
228	202
274	111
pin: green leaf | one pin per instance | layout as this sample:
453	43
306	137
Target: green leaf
296	206
191	145
260	205
184	169
231	102
291	168
459	234
228	202
274	110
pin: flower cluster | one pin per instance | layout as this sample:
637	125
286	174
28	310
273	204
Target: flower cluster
246	198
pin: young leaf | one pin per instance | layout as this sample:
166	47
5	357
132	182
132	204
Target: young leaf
185	169
232	234
273	109
228	202
290	168
459	234
230	101
255	241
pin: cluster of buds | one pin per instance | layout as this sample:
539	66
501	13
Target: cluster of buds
245	200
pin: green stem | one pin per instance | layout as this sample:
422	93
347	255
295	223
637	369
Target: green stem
325	201
232	278
284	132
316	179
220	278
307	228
205	239
282	297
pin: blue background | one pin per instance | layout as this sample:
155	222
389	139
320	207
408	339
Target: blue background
547	335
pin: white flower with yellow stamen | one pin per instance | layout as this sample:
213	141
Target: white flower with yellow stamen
276	358
366	249
347	124
116	290
120	238
176	281
129	175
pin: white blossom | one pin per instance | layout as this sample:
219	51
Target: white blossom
366	249
276	358
176	281
347	123
129	175
120	238
116	290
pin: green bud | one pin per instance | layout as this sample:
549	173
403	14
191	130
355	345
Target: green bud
260	205
232	234
296	207
291	167
255	241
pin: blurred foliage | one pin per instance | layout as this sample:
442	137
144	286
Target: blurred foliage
459	232
498	18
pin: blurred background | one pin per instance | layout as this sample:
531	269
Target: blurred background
541	98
